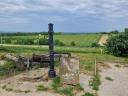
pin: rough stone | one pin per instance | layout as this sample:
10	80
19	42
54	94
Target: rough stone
69	70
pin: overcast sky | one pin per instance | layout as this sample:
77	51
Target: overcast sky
67	15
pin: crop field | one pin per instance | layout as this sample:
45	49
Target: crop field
83	40
79	40
79	45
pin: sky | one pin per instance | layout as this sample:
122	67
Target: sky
66	15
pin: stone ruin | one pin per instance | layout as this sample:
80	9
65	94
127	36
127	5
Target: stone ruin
69	70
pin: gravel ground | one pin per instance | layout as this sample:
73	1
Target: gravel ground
118	86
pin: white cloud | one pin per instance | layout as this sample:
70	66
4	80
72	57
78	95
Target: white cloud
107	9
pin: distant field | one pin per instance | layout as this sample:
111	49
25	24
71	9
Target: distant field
80	40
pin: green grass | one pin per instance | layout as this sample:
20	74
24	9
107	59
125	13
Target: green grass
88	94
87	55
68	91
80	40
79	87
95	82
42	88
56	83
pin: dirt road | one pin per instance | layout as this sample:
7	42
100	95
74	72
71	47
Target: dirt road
15	45
114	81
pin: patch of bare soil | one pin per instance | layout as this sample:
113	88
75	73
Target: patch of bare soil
114	80
18	86
103	39
84	82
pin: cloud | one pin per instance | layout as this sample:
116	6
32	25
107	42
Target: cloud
24	11
86	7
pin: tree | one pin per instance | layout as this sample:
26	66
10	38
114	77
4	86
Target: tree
118	45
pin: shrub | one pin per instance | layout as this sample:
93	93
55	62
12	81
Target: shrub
59	43
73	43
28	41
43	41
118	45
94	44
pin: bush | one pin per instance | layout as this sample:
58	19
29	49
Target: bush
59	43
118	45
73	43
28	41
43	41
95	44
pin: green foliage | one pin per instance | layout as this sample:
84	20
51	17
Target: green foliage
88	94
41	88
118	45
73	43
79	87
95	82
68	91
94	44
80	40
59	43
9	65
56	83
28	41
43	41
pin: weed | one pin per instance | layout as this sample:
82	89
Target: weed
9	89
68	91
4	87
56	83
109	78
79	87
88	94
95	82
41	88
117	66
27	91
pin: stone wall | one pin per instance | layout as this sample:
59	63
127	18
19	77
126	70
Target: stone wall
69	70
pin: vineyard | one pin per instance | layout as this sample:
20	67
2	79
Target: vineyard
79	40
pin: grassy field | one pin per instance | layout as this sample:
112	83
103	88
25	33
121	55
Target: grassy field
86	54
80	40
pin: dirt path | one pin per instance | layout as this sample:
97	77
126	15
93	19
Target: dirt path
103	39
114	81
16	45
15	86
